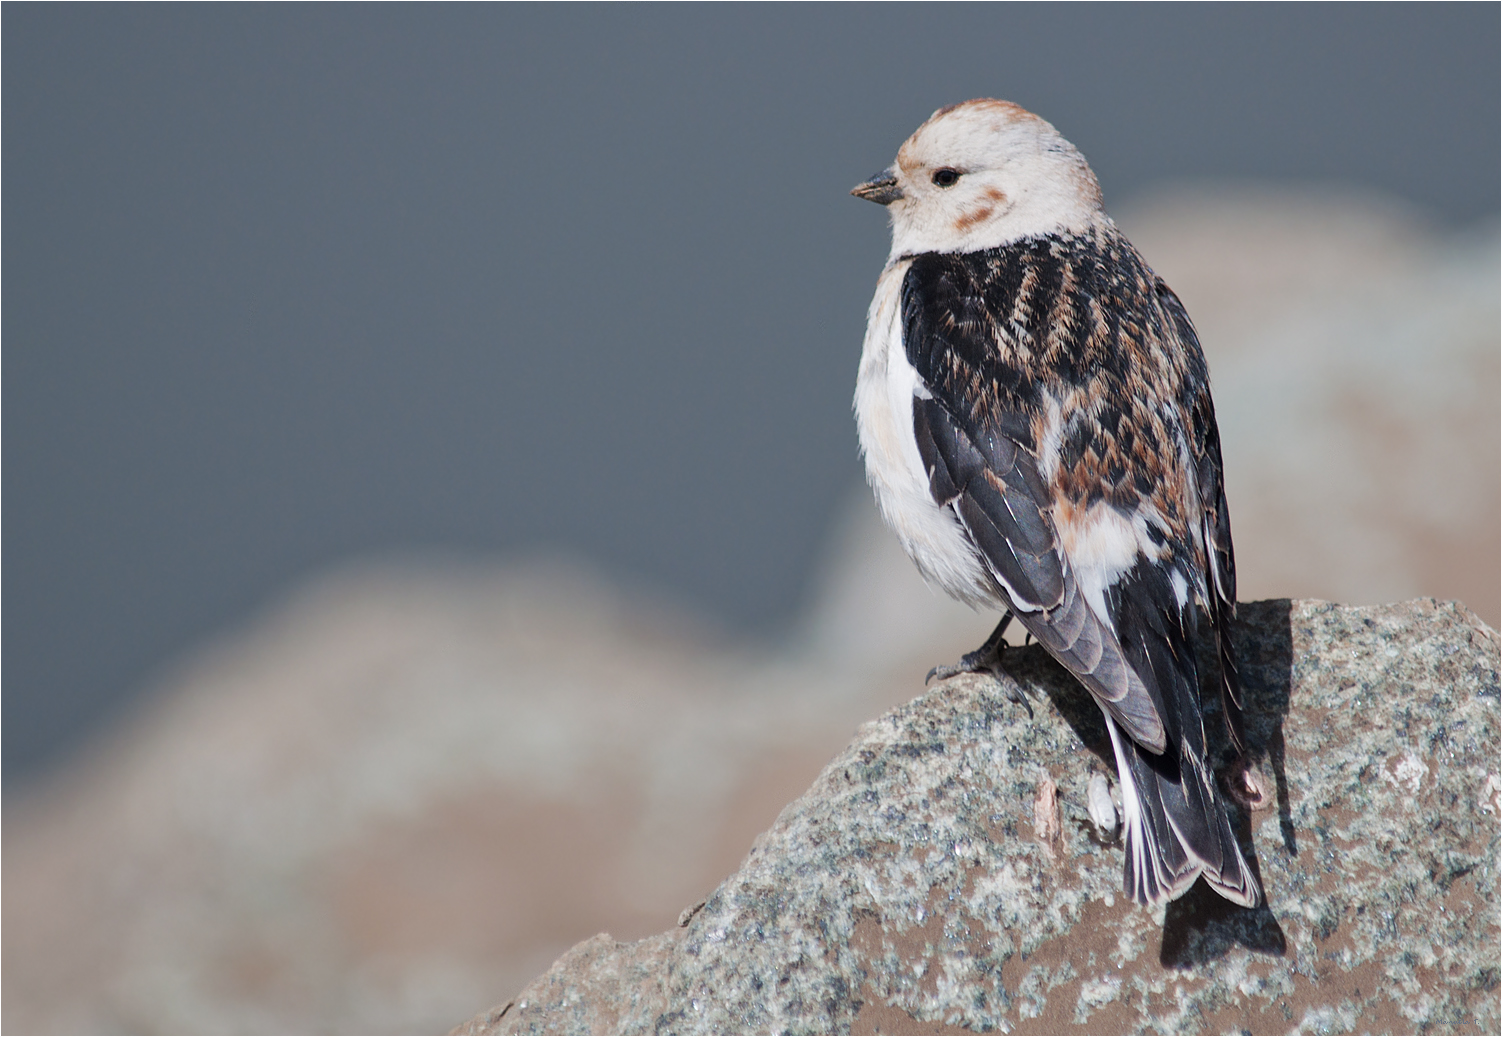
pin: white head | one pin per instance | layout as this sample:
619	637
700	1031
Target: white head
982	174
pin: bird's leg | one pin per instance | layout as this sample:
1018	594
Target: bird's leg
983	660
986	659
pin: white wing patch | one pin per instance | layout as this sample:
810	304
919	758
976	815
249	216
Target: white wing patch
1101	545
1180	589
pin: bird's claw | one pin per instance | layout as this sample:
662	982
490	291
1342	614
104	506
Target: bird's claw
1246	786
978	661
987	660
984	659
1016	694
984	662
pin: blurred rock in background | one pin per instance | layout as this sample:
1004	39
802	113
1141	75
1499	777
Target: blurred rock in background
397	797
404	791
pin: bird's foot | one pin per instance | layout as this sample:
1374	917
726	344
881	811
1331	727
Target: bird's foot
986	660
982	660
1246	786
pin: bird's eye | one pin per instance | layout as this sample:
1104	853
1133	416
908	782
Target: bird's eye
946	177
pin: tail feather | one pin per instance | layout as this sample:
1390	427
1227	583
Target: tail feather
1176	828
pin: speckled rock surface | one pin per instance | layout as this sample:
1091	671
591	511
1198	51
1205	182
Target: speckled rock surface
910	890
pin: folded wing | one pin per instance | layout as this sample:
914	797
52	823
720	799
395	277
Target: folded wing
1001	502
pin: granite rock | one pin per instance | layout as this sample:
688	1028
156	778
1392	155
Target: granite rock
912	889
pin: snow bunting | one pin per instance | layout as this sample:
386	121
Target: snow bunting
1035	416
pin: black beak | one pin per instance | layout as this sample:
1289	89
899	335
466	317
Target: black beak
881	188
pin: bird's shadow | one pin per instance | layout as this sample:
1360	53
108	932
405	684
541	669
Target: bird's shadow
1202	926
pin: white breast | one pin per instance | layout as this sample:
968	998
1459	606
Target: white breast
884	393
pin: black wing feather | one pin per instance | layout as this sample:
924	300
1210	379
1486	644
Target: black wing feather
1221	555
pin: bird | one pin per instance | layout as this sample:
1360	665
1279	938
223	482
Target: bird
1034	412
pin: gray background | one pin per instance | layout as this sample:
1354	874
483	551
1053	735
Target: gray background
295	284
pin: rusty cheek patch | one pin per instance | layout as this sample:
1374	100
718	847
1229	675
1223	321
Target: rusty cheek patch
995	197
970	219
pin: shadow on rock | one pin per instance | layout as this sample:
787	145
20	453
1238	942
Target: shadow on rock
1202	925
1265	661
1035	670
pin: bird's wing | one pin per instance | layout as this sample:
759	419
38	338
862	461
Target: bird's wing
1220	560
981	461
